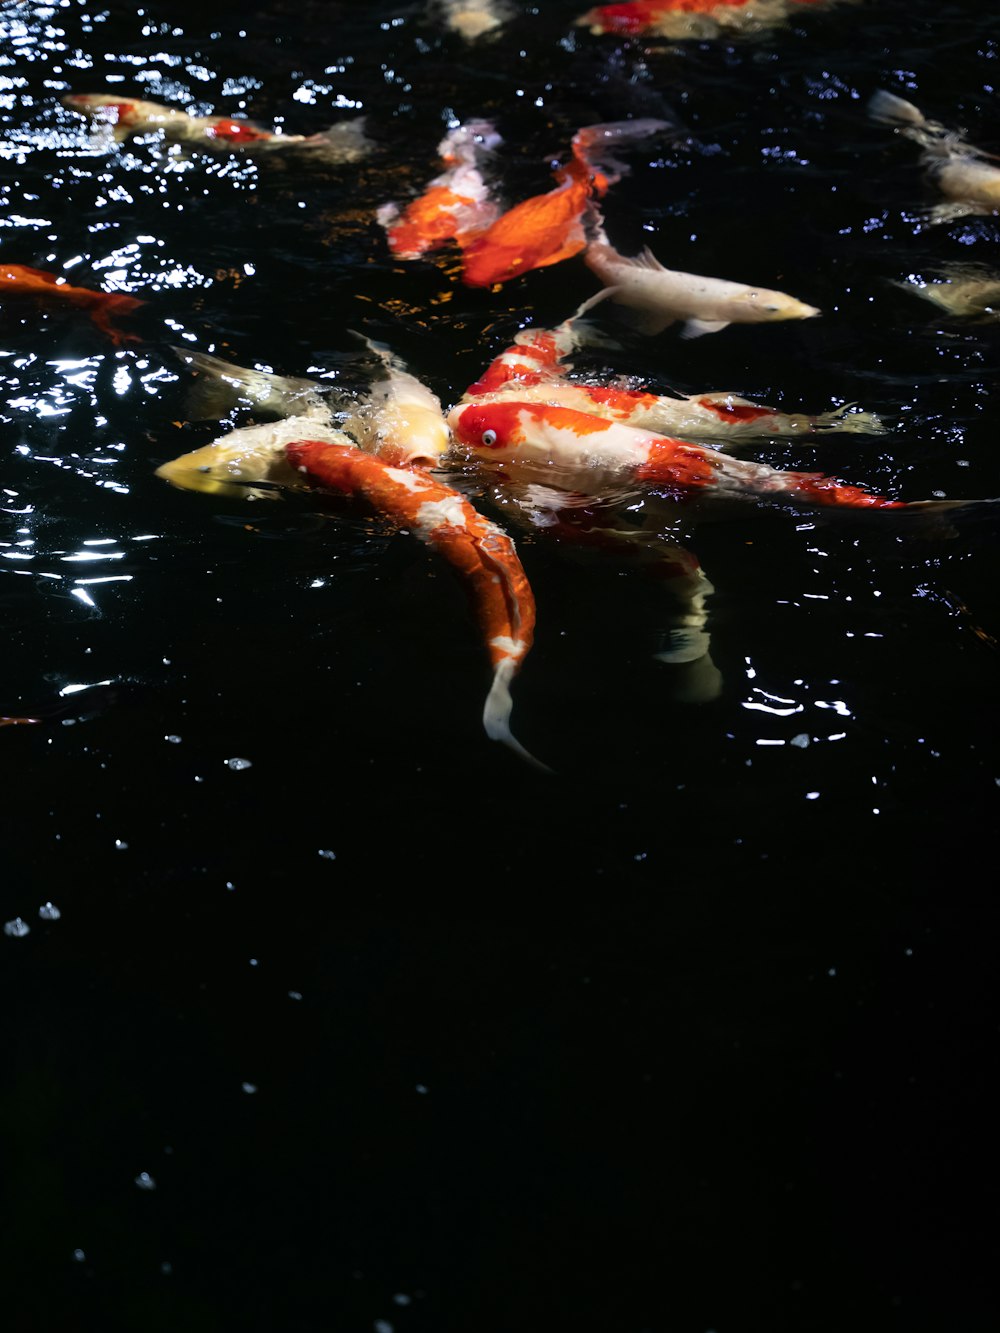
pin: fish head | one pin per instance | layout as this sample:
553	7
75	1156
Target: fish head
488	428
412	434
763	306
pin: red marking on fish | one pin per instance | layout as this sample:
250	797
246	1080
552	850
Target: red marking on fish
541	348
237	131
737	411
638	17
622	403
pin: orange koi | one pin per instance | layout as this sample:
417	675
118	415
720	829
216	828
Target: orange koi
482	553
687	18
456	203
103	307
537	434
124	117
548	228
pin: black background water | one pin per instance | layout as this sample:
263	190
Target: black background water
696	1034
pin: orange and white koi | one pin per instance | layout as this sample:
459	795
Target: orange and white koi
658	297
104	308
481	551
126	116
548	228
965	175
694	19
456	204
589	452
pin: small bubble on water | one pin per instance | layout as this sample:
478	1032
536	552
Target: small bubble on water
383	1326
16	928
145	1181
121	845
401	1298
801	740
49	912
295	995
79	1256
328	856
421	1088
166	1269
237	765
173	740
249	1088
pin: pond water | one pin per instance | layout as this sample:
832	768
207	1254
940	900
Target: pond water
325	1011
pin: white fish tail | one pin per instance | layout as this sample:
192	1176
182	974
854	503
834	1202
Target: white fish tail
847	421
902	115
221	386
344	142
497	710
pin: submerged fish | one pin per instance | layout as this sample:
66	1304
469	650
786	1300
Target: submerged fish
456	203
481	551
472	18
695	19
104	308
399	419
344	142
963	290
964	174
658	297
589	452
548	228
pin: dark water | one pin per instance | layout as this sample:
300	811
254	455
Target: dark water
696	1034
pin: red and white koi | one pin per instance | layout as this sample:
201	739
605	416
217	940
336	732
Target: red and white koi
104	308
693	19
481	551
123	117
657	296
456	204
965	175
548	228
589	452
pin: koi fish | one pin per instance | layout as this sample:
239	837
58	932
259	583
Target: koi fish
961	172
657	296
594	452
481	552
456	203
534	368
102	307
345	142
399	419
472	18
964	290
548	228
694	19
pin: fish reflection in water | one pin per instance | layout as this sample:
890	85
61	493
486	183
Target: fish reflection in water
104	308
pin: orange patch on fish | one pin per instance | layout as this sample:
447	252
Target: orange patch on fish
675	463
237	131
737	411
427	223
623	403
539	231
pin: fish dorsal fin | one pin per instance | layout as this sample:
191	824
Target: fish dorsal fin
646	259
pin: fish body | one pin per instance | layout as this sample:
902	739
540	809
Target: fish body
548	228
964	174
964	291
659	296
399	419
124	117
457	203
695	19
594	451
473	18
104	308
479	550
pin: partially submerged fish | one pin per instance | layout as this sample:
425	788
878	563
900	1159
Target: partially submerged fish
657	296
966	291
964	174
399	418
472	18
125	116
104	308
548	228
456	203
481	551
588	452
692	19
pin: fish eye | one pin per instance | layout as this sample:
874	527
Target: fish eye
489	438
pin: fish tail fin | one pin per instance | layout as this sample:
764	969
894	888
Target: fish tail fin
847	421
108	309
582	332
497	711
591	146
220	386
889	109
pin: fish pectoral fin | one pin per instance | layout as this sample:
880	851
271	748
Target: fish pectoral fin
696	328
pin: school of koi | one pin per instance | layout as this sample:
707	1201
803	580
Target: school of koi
563	450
